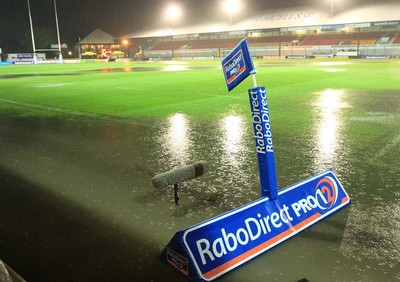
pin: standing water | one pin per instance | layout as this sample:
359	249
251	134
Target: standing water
77	202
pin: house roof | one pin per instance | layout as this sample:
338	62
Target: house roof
98	37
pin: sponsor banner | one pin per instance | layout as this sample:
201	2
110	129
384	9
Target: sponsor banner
25	56
214	247
237	65
382	57
264	145
299	57
388	23
310	27
231	239
332	27
358	25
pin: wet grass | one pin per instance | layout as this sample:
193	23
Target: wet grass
159	89
164	88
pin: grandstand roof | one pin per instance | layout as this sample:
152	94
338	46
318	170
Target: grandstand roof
285	18
98	37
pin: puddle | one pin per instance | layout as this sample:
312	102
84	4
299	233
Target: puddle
168	68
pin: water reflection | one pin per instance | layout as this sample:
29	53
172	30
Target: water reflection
175	68
176	140
232	140
329	126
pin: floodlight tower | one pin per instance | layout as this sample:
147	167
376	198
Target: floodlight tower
232	6
58	33
332	4
173	13
33	38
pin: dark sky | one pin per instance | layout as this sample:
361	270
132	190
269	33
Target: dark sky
77	18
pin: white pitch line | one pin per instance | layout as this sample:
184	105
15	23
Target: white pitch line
66	111
390	145
47	108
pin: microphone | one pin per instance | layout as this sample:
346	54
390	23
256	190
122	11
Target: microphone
179	174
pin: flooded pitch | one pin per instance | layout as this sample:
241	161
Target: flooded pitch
77	202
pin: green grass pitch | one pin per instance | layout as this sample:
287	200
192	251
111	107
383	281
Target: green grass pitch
158	89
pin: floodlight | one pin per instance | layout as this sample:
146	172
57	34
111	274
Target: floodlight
232	6
173	12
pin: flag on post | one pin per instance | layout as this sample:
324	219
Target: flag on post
237	65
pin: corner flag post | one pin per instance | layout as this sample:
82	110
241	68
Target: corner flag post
209	249
237	66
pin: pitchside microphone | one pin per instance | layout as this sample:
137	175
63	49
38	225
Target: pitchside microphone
179	174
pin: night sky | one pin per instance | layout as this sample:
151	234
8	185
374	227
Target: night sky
77	18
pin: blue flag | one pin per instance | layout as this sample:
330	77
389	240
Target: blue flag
237	65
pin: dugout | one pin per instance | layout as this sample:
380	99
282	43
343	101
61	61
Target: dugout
99	45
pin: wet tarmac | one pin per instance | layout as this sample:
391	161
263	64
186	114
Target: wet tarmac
77	202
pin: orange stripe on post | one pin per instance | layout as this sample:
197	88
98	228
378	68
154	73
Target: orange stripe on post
259	248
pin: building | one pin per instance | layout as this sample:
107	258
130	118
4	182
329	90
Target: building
100	45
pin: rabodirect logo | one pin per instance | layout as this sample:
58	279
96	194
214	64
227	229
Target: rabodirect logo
234	67
177	261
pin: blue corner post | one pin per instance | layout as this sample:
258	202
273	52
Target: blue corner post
264	145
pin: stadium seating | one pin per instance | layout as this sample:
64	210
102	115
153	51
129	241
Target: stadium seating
271	40
397	39
265	42
364	38
323	39
197	44
167	45
214	43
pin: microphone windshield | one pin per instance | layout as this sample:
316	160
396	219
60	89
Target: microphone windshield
179	174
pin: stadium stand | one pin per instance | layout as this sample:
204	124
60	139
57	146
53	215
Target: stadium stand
368	31
196	44
364	38
324	39
167	45
271	40
207	44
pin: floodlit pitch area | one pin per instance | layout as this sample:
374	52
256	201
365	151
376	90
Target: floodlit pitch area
79	144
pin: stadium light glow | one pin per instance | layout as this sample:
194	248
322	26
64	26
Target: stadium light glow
232	6
125	42
173	13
